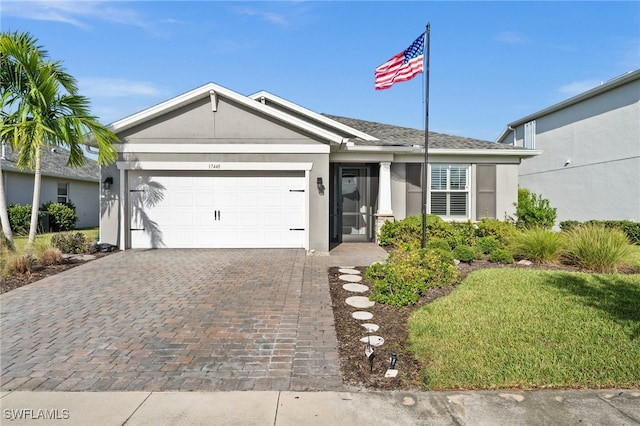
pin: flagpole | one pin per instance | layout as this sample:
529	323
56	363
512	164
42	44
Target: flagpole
427	35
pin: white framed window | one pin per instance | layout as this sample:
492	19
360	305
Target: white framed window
530	135
449	194
63	192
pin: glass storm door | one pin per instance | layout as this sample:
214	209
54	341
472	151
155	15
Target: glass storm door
354	202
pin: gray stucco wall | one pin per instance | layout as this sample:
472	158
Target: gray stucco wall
601	139
230	124
83	194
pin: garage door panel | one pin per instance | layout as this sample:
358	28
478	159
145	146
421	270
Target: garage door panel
217	211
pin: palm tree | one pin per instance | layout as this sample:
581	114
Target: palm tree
44	110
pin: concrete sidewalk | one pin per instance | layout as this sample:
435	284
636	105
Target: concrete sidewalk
546	407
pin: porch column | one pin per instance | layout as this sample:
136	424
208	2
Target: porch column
385	211
384	190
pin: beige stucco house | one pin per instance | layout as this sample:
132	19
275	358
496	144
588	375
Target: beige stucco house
589	166
214	168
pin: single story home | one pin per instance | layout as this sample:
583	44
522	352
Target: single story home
589	166
60	183
214	168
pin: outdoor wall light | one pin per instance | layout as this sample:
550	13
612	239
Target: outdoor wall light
108	181
320	185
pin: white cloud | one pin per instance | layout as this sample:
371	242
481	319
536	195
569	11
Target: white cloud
76	13
577	87
116	88
511	37
271	17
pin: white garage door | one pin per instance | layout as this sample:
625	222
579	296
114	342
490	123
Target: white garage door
201	210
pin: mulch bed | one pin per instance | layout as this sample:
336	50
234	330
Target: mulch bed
39	271
354	365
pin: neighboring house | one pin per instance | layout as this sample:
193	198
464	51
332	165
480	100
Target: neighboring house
589	166
214	168
60	183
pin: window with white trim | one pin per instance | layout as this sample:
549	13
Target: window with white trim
63	192
449	195
530	135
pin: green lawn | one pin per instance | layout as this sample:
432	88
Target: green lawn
505	328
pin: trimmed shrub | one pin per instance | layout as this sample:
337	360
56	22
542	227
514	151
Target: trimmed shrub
501	256
69	242
534	211
539	245
438	243
487	244
19	218
405	230
409	230
406	274
62	216
569	225
597	248
464	233
503	231
464	254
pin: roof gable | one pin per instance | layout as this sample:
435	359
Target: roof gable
213	91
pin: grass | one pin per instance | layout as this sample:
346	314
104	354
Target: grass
505	328
539	245
42	242
598	248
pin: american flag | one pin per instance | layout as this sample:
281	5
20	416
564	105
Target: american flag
402	67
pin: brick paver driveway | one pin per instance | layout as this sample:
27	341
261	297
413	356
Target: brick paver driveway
161	320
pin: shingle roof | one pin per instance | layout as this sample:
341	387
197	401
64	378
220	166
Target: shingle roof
390	135
54	164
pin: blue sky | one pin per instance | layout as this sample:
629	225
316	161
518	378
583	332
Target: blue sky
491	62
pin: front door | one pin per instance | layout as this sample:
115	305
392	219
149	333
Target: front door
353	203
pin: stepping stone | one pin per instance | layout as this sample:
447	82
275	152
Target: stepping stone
391	373
351	278
356	288
84	257
346	267
362	315
359	302
374	340
349	271
371	327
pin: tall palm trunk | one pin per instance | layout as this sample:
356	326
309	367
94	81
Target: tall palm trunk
4	216
37	181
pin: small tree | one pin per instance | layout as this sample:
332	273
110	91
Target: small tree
41	109
534	211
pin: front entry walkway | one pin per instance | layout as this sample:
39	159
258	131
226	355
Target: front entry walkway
166	320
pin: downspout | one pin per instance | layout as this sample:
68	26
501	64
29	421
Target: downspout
514	134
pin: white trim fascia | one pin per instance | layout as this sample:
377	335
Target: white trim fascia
124	209
312	115
205	91
486	152
211	165
439	151
307	212
135	148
